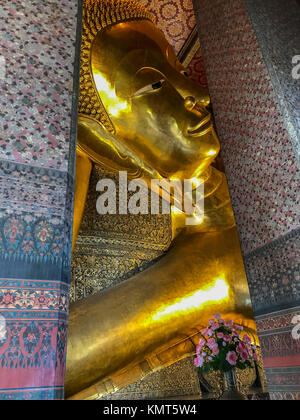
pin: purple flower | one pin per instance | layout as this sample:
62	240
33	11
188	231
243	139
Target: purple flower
201	342
238	327
199	361
200	345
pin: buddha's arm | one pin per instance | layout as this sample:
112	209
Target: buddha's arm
82	178
201	274
97	145
104	148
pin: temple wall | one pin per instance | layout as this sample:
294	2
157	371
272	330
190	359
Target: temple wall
176	19
37	147
247	48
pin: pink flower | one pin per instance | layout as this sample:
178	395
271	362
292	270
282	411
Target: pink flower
241	347
211	342
217	316
211	321
229	323
247	339
201	343
231	358
248	348
207	331
238	327
214	326
243	350
220	335
227	338
215	350
244	355
199	361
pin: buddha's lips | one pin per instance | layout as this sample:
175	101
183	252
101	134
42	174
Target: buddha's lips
202	128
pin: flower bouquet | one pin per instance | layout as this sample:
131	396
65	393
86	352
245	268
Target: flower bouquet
222	347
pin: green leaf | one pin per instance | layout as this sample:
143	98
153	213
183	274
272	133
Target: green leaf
206	368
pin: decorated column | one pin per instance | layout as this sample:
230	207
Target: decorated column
37	144
250	54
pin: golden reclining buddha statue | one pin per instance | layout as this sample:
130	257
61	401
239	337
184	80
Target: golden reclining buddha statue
140	113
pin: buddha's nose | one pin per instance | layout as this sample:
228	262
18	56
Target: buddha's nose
197	108
190	103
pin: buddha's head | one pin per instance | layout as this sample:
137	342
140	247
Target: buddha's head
133	85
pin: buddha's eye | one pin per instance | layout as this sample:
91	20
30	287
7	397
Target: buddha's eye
149	88
185	73
157	85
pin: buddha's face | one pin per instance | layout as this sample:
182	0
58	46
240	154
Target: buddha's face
155	108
